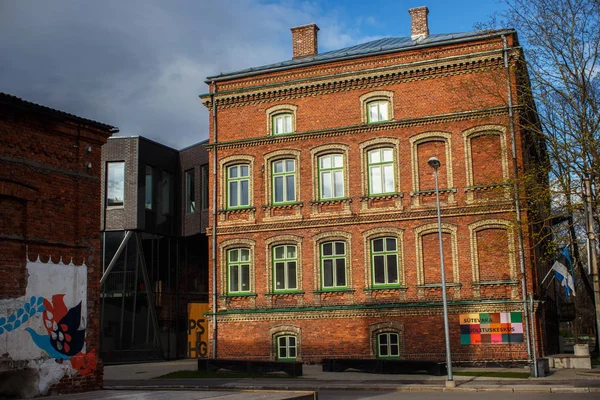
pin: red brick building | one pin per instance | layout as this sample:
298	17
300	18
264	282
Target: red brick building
323	230
50	164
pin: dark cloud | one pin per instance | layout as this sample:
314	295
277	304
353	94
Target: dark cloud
141	64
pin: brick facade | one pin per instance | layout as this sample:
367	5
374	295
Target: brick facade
446	100
49	195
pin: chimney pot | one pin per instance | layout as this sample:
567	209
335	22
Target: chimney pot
419	26
304	40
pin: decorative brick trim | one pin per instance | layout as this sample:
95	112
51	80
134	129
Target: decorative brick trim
279	109
361	128
425	137
383	231
382	327
341	220
468	135
510	237
373	96
388	312
430	69
280	330
18	190
433	228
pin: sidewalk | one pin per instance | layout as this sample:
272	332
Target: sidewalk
314	379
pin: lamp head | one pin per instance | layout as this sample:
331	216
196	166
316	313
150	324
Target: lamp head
434	162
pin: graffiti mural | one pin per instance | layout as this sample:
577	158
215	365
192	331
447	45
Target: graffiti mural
46	328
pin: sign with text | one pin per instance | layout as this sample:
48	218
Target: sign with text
197	330
491	328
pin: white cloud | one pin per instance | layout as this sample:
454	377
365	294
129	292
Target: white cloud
141	64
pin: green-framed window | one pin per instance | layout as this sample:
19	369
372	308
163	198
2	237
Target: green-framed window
284	181
238	186
282	123
331	176
287	347
333	265
238	270
388	345
381	171
384	261
285	268
378	111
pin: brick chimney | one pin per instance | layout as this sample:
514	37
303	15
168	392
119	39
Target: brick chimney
419	27
304	40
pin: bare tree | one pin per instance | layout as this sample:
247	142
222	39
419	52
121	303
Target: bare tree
561	44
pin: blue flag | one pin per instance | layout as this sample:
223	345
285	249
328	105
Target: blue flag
563	271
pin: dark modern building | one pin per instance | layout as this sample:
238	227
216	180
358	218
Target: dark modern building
154	215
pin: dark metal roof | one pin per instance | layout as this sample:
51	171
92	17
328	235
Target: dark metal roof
364	49
18	102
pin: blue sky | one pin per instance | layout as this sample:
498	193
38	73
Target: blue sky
140	64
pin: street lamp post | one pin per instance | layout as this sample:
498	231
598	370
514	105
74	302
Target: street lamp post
435	164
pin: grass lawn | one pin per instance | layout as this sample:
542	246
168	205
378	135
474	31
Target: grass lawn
494	374
226	374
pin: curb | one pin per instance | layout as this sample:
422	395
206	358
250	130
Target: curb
414	389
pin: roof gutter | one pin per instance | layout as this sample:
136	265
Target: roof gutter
220	78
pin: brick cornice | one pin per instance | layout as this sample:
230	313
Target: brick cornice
366	311
362	128
369	78
366	218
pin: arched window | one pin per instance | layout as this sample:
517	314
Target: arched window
238	270
281	119
284	181
333	265
285	268
238	186
377	106
384	261
378	111
381	171
331	176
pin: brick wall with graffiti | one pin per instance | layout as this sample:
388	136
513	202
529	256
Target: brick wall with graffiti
43	332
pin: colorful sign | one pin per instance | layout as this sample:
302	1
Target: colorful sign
197	330
491	328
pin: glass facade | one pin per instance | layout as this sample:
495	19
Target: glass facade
144	300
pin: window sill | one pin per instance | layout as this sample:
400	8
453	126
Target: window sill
438	285
285	294
382	196
491	283
237	295
331	201
283	206
383	289
323	291
236	210
485	187
115	207
432	192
